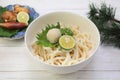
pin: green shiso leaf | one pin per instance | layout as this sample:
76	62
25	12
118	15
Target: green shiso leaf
7	33
42	39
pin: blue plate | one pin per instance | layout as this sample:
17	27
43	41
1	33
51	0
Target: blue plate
33	14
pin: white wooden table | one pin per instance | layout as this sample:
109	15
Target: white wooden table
17	64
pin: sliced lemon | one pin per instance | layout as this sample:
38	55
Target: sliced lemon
23	17
67	42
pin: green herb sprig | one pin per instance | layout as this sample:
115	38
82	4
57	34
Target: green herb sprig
66	31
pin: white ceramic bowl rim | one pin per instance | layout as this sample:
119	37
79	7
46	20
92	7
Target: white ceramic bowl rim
69	13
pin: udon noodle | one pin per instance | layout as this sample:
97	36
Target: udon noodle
58	56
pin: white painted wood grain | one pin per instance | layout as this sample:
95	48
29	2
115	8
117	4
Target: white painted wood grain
19	59
17	64
11	43
45	75
53	4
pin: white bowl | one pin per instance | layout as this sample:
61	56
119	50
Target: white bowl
66	18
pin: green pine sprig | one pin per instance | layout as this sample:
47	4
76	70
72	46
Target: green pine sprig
109	27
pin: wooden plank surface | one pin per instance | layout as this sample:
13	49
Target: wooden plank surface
17	64
16	60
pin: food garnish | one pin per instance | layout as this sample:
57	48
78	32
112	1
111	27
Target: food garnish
23	17
42	36
67	42
53	35
66	31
